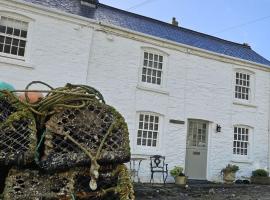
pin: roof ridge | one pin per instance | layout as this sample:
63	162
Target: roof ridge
178	27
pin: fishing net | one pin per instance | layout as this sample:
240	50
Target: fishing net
89	127
17	132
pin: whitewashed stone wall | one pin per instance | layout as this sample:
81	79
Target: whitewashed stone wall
195	88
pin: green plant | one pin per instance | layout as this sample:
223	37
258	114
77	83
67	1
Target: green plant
260	173
230	168
177	171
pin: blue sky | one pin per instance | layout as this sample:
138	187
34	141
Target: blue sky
241	21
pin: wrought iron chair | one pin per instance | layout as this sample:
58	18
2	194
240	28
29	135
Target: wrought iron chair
158	165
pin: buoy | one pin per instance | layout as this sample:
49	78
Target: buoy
33	97
6	86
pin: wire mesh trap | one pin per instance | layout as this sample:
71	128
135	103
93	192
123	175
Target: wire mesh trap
17	133
113	184
32	185
82	145
88	126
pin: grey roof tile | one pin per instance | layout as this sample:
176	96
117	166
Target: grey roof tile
155	28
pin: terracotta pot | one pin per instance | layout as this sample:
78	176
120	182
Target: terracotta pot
33	96
229	177
260	180
180	180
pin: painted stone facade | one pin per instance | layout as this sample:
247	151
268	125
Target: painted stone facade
196	85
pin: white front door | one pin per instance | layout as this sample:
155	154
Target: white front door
196	152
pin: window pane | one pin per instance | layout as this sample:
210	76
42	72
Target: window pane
2	29
21	52
144	142
149	142
139	133
9	30
7	49
139	142
2	39
14	50
22	43
156	58
23	34
145	55
16	32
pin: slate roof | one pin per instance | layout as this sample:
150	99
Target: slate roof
124	19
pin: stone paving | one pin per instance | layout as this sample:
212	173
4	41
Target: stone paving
202	192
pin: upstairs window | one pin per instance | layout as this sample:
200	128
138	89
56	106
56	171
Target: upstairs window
13	36
152	68
148	130
241	140
242	86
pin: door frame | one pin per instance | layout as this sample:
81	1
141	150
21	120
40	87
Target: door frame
209	143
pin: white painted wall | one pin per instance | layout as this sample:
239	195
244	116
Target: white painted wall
195	88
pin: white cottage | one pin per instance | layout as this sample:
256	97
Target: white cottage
200	101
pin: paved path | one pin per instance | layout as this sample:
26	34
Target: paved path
202	192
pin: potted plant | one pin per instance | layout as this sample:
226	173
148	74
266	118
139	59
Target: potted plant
179	176
260	176
229	173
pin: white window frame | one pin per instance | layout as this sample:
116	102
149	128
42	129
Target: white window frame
20	17
148	149
239	157
146	85
251	93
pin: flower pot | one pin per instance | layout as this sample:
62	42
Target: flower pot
260	180
229	177
180	180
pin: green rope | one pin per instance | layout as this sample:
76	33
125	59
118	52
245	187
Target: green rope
73	196
70	96
38	147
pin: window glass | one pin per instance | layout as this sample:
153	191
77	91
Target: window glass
13	36
242	86
152	68
148	130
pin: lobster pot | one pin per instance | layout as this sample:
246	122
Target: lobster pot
32	185
107	179
22	184
17	132
88	127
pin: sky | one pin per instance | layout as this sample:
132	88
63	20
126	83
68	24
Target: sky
241	21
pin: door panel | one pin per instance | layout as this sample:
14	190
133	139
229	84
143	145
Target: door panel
196	152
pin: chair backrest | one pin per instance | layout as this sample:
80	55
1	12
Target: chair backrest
157	162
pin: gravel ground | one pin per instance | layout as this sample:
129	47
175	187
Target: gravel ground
202	192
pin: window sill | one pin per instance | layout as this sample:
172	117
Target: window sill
244	104
150	89
241	160
14	61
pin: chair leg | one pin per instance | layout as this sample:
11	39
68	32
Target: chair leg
166	177
164	180
152	177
